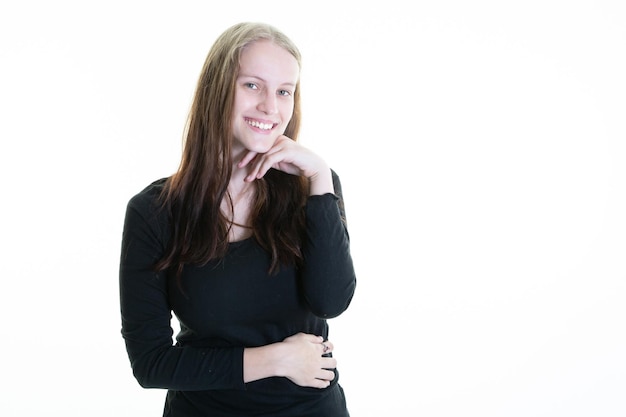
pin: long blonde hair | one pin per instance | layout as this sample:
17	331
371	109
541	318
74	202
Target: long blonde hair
192	196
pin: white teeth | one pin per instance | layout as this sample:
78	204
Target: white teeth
264	126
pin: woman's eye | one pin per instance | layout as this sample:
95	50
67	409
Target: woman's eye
284	93
251	86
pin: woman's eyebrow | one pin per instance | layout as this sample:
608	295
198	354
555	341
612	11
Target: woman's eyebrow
243	75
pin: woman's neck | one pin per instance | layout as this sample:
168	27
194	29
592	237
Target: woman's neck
237	204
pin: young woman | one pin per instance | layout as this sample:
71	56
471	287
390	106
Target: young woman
246	244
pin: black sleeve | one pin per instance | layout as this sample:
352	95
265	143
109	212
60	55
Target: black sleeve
328	277
146	315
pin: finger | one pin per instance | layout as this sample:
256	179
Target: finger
258	163
268	161
326	375
329	363
279	157
253	173
246	159
327	348
320	383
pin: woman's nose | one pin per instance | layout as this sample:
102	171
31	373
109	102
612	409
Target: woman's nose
268	104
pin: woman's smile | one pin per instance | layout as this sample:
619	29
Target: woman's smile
260	125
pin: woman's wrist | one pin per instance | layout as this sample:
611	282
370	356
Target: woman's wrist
321	182
261	362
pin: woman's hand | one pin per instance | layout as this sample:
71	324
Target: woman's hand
288	156
302	361
298	358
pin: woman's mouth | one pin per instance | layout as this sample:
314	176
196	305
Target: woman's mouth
260	125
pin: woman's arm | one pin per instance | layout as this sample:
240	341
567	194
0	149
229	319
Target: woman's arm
146	314
328	275
147	332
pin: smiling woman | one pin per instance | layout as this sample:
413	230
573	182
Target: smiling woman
246	244
264	90
488	135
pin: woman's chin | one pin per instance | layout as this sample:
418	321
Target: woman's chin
262	146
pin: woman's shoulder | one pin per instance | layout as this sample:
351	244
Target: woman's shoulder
147	200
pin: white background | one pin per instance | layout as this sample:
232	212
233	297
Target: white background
482	150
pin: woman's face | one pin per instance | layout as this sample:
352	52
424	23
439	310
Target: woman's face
264	96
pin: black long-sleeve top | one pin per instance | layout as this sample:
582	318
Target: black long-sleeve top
227	305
